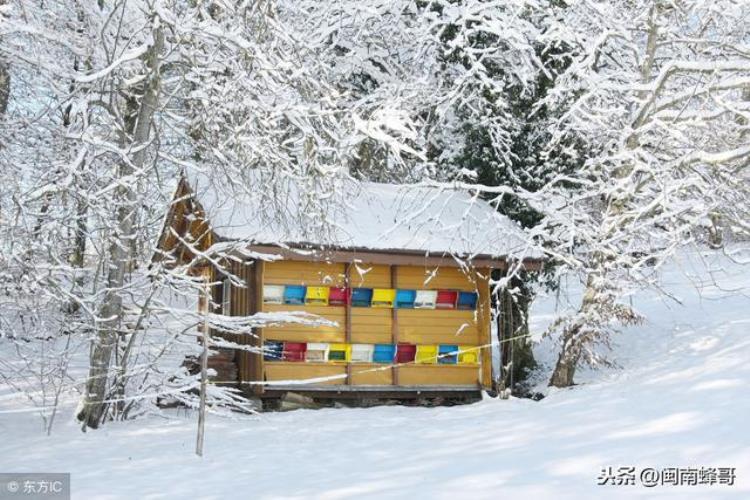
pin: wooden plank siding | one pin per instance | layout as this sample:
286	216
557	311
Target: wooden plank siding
369	276
374	325
371	325
243	304
440	327
282	370
288	272
430	278
438	375
185	222
370	374
301	333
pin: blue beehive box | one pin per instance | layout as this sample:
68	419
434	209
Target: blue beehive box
467	300
384	353
361	297
294	295
405	299
448	354
272	351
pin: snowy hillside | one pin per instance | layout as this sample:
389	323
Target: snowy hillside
680	400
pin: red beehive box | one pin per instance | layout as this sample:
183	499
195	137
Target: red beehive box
294	351
446	299
406	353
338	296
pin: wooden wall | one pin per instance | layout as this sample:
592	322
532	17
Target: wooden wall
312	274
374	325
244	302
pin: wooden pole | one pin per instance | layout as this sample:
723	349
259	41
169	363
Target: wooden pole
257	374
204	367
394	323
348	318
348	284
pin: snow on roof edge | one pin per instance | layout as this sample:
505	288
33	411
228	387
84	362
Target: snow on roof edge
368	216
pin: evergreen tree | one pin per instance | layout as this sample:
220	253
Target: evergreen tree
521	161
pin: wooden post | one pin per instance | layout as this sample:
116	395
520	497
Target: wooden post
394	322
348	284
484	316
497	381
204	364
257	370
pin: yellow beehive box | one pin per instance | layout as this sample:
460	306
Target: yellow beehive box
468	355
340	352
383	297
317	295
426	354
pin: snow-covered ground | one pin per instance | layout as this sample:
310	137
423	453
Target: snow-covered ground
680	399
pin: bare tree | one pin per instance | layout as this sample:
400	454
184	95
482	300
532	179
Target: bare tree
655	89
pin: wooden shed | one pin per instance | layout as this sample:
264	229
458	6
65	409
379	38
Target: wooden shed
403	279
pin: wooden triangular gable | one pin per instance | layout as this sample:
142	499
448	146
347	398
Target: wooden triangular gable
186	230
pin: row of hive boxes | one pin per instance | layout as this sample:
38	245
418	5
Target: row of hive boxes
282	372
445	354
375	326
388	298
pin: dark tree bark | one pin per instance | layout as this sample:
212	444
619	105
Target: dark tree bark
517	355
4	79
4	85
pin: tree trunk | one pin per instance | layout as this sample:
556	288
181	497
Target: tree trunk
565	370
517	355
4	85
715	236
4	79
570	353
593	299
110	312
77	258
567	362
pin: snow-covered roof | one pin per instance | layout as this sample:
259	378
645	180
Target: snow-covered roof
361	215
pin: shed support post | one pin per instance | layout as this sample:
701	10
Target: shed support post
349	320
204	365
394	321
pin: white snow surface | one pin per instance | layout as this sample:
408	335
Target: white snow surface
360	215
680	399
